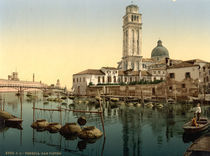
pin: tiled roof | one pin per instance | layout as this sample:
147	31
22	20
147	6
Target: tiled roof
91	72
195	61
159	68
148	60
183	65
128	73
112	68
145	73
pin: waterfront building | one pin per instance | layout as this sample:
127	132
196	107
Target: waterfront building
88	77
205	76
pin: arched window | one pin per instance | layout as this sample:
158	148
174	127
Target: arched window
114	79
126	65
137	65
109	79
133	40
137	41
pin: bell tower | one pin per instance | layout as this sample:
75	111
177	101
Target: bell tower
132	39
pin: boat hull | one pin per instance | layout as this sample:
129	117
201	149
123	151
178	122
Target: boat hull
203	125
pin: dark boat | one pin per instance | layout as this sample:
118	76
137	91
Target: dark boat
13	121
9	119
201	147
203	125
29	94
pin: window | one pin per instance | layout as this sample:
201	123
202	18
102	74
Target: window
183	85
99	79
154	72
103	79
172	75
83	79
130	79
73	79
170	88
132	65
158	72
119	80
133	40
125	79
137	65
77	80
204	69
187	75
109	79
114	79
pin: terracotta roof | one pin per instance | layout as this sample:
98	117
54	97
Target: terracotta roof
91	72
113	68
145	73
159	68
128	73
195	61
148	60
183	65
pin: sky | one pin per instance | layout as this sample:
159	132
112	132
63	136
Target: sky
57	38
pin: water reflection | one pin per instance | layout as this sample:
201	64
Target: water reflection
130	130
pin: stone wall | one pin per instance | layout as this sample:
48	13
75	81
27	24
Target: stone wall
169	89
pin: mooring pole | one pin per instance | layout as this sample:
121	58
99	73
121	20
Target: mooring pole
33	111
101	115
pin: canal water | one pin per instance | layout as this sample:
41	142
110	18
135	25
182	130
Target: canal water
130	130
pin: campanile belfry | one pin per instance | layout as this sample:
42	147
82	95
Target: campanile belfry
132	39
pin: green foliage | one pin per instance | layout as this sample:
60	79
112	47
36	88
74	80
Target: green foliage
141	82
90	83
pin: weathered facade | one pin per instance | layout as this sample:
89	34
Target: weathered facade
164	90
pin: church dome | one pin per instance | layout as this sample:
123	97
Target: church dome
159	52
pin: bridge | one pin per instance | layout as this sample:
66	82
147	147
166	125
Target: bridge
22	87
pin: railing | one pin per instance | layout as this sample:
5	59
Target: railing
29	86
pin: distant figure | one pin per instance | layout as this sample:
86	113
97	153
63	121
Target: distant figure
194	123
198	111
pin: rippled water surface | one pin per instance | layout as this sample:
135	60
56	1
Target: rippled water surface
130	130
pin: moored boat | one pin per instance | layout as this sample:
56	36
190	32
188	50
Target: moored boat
13	121
203	124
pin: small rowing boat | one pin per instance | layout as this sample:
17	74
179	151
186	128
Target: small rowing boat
203	124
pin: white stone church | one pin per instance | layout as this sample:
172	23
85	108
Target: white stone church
133	67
